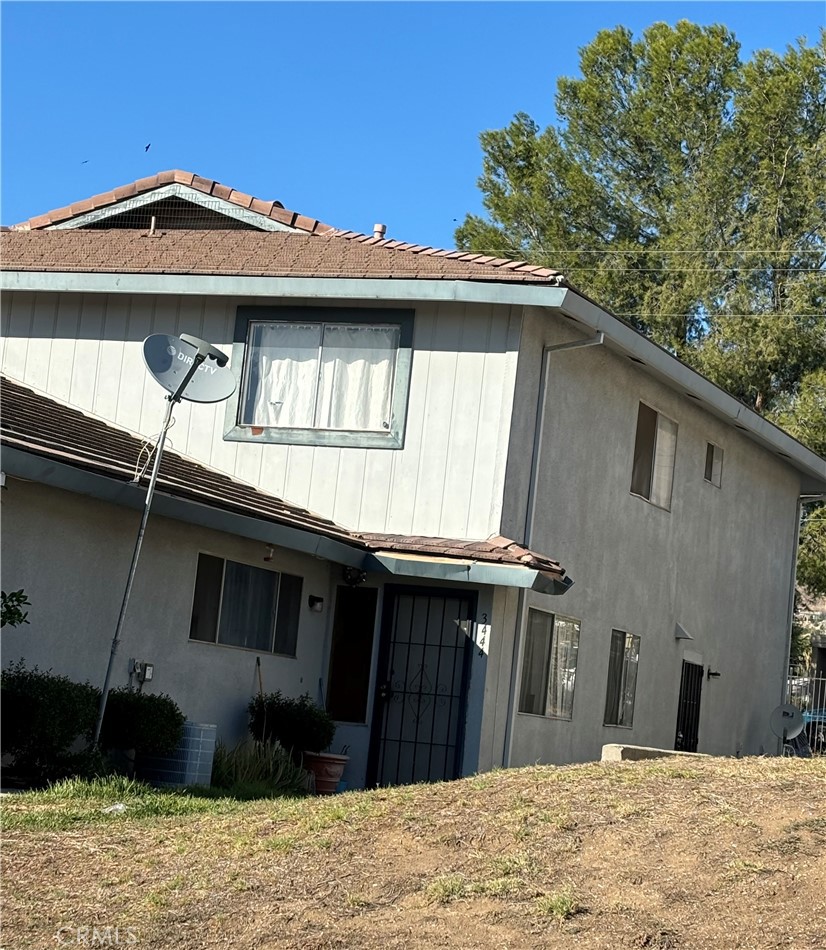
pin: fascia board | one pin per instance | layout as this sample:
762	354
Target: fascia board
18	463
334	288
460	571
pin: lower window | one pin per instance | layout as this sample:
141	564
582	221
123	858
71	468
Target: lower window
239	605
549	665
622	679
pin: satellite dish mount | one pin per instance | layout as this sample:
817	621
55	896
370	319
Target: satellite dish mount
174	362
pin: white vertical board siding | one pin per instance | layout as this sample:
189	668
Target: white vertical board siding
447	480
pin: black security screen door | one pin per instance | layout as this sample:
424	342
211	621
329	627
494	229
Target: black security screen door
688	711
419	717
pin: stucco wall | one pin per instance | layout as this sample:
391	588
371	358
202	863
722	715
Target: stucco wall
718	562
72	553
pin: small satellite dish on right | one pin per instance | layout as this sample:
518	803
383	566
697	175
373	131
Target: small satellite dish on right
786	722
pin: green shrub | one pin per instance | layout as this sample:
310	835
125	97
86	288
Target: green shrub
149	723
298	725
11	608
257	770
43	715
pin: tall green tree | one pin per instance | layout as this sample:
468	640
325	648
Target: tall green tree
685	190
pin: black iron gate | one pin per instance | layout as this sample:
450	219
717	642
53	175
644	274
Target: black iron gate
418	721
688	711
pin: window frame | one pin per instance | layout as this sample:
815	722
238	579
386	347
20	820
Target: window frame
393	438
664	505
623	676
549	667
271	651
716	465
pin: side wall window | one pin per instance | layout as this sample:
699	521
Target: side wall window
714	464
655	449
622	679
549	665
244	606
321	376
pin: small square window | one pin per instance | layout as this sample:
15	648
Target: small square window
549	665
244	606
622	679
655	449
321	376
714	464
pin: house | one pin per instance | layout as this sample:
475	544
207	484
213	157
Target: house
447	440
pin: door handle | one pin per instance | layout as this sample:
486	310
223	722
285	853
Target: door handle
385	692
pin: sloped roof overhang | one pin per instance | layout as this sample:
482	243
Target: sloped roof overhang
57	445
620	337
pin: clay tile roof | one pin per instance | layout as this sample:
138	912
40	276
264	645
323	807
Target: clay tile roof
242	253
33	422
497	550
178	260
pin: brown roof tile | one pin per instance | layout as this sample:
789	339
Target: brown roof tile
242	253
34	423
277	212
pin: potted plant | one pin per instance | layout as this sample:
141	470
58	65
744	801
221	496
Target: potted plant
304	729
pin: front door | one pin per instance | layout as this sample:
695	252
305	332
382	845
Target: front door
688	709
418	721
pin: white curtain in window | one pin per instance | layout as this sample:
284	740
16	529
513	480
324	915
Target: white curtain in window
563	668
283	375
664	455
356	384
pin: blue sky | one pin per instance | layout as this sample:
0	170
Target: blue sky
348	112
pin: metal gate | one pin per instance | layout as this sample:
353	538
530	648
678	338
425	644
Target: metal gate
688	710
418	721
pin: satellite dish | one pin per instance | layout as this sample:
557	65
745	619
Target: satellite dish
786	722
169	357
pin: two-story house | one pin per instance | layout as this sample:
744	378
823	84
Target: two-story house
420	445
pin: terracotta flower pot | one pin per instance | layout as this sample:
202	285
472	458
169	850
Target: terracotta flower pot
327	769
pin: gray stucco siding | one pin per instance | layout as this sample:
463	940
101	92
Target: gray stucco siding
719	562
71	555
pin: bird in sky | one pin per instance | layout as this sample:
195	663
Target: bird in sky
146	147
85	161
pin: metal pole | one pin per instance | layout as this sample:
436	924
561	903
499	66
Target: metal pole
175	397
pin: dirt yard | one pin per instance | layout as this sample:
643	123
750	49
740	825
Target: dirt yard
685	854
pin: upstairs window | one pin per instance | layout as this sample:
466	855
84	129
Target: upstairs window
714	464
239	605
549	665
621	691
655	449
321	376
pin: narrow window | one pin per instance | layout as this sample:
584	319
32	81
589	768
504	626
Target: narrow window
622	679
244	606
655	449
714	464
351	653
549	665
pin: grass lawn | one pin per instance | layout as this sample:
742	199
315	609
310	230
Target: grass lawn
684	854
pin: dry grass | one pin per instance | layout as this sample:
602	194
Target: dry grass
664	855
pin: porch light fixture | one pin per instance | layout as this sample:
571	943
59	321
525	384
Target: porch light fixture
353	576
315	604
712	674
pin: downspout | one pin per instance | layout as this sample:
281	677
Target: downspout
539	431
530	509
